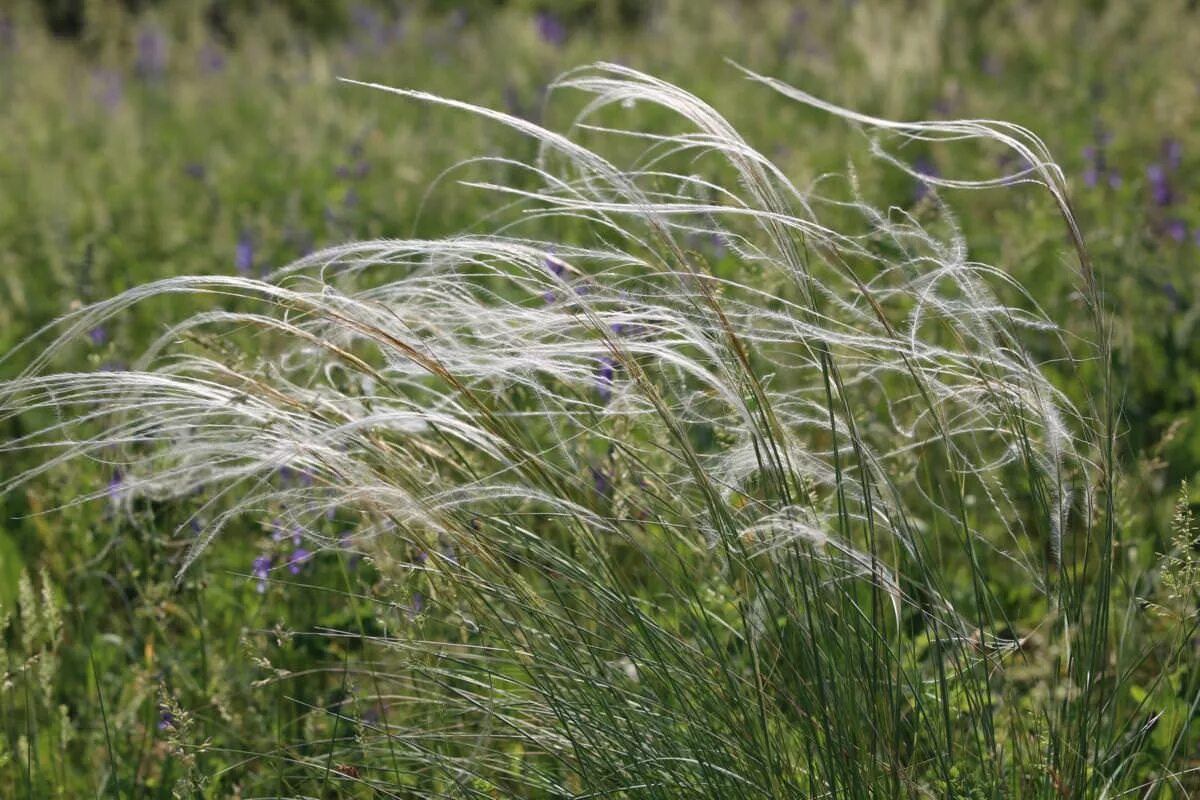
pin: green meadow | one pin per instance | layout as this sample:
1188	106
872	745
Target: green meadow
599	446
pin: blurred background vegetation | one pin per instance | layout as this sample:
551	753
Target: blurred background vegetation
147	138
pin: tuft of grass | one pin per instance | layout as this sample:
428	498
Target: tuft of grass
675	477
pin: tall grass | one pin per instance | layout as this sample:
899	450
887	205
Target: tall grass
679	479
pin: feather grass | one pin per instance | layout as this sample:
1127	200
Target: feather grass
732	528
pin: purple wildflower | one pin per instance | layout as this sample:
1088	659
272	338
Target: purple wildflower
1176	229
924	166
550	28
151	58
261	570
604	378
417	605
298	558
719	245
1160	185
98	335
195	170
244	258
600	481
166	720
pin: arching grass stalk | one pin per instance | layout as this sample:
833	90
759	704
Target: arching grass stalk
803	518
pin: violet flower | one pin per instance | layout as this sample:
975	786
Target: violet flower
553	265
244	257
298	558
1160	186
151	58
550	28
600	481
261	570
924	166
1176	229
166	720
604	378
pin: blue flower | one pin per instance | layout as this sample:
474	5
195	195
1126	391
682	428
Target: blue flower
600	481
98	335
261	570
1176	229
1160	185
166	720
151	58
115	484
244	258
551	29
298	558
924	166
604	378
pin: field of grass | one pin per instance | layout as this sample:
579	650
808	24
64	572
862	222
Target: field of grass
741	462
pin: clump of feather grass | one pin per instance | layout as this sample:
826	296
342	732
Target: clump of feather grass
726	528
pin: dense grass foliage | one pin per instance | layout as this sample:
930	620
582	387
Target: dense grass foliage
568	433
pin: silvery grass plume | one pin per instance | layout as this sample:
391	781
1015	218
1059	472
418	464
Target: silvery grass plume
747	526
